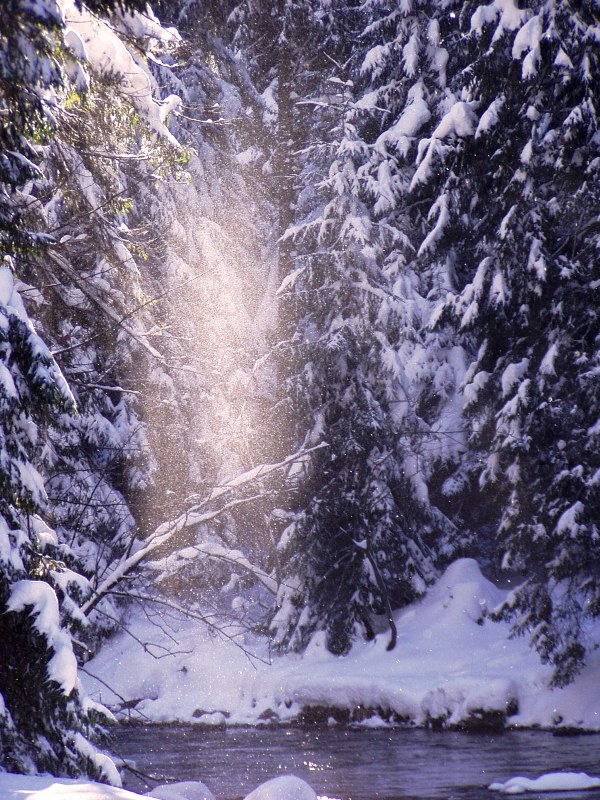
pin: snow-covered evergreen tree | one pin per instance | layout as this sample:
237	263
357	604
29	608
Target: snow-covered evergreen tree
84	292
217	269
463	257
43	723
505	175
402	88
364	539
533	412
161	420
57	207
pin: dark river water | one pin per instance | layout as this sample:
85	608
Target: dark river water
354	764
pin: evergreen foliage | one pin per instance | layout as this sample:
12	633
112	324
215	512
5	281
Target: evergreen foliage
56	200
487	162
465	179
28	70
525	222
43	722
30	75
365	539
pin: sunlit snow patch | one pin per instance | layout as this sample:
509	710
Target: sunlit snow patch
452	667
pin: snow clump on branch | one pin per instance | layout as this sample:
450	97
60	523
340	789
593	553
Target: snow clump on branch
95	40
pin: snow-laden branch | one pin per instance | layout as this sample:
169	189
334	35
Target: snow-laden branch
89	292
195	516
96	43
234	558
262	471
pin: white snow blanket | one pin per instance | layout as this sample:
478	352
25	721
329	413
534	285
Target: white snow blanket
551	782
451	663
46	787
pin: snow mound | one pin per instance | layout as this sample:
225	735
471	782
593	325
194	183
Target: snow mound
286	787
47	787
185	790
551	782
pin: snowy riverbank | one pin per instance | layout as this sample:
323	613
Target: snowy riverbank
451	666
285	787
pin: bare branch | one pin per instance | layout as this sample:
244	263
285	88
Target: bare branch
108	388
117	156
195	516
236	558
148	598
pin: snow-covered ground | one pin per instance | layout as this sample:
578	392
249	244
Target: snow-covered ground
451	665
285	787
25	787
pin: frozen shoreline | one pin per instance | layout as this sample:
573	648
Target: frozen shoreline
369	723
283	787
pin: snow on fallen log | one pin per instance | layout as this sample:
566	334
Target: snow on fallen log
551	782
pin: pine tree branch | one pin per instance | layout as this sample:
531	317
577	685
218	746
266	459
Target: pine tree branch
110	312
138	308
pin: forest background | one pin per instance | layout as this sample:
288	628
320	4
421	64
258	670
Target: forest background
299	304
